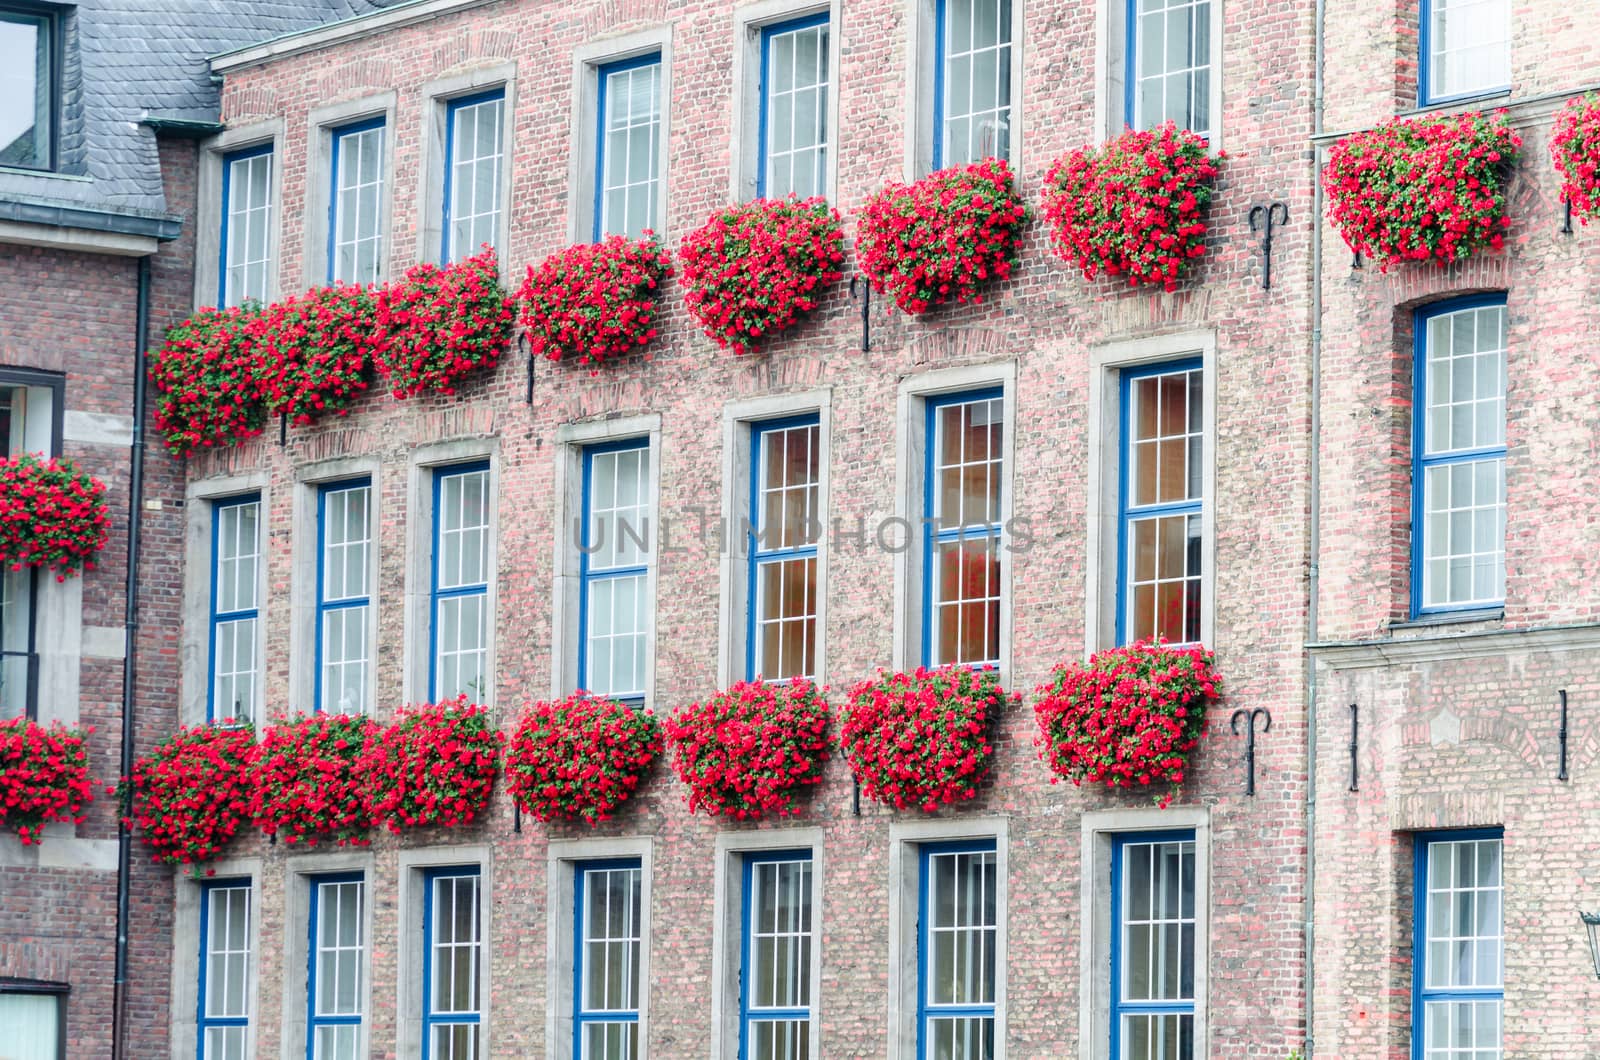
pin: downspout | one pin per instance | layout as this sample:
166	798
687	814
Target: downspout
119	988
1314	544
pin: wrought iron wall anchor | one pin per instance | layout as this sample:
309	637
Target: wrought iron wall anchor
522	344
863	298
516	817
1262	219
1566	224
1355	259
1354	728
1561	774
1250	717
283	429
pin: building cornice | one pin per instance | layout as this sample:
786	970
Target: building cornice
326	36
1447	647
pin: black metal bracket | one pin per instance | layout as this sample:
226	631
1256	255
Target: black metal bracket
1262	219
1355	259
522	343
863	298
1250	717
283	429
1561	735
516	816
1566	224
1355	723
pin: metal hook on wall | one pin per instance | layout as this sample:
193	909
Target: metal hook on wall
863	298
1263	219
1566	224
1561	735
1355	723
1250	717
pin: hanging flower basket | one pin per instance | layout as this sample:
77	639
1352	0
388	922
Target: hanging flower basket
594	302
1423	189
1127	718
752	750
434	765
316	351
1134	207
44	776
754	269
306	783
921	739
945	238
438	325
207	381
580	758
1575	150
191	794
52	515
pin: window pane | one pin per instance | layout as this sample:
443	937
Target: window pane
778	934
27	90
476	138
1469	47
610	946
358	206
455	946
247	220
31	1022
629	148
961	928
1156	933
977	82
1172	64
796	111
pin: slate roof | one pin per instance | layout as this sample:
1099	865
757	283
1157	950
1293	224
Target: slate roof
128	61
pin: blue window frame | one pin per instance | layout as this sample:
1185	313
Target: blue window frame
627	157
344	595
460	625
958	908
235	609
474	160
775	988
794	135
222	1014
355	203
1463	49
785	525
971	81
614	570
1458	474
1153	885
964	472
452	963
608	951
1458	961
1162	503
336	966
1168	74
244	272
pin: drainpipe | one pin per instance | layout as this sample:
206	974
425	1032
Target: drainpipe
1314	544
119	988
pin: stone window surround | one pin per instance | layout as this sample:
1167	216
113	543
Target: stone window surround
293	983
195	653
1097	829
910	474
571	441
308	480
585	116
905	885
728	922
186	949
433	135
411	945
1111	50
738	417
922	26
208	210
424	461
564	855
322	123
748	97
1103	539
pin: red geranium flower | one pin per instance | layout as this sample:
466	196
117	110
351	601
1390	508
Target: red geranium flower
306	783
44	776
51	515
438	325
580	758
434	765
208	381
1575	149
190	795
594	302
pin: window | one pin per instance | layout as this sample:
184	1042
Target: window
224	1016
956	951
1459	463
1169	74
1153	946
775	987
474	157
235	608
628	149
34	1015
461	620
452	961
344	600
794	134
972	81
1162	516
335	990
607	952
615	569
246	245
28	88
961	536
355	215
786	523
1465	48
30	422
1458	970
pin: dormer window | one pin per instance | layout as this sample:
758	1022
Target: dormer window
27	87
